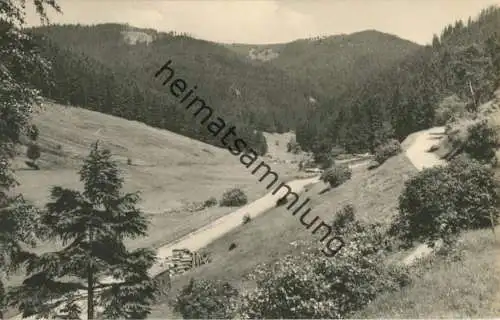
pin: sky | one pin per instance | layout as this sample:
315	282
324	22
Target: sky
269	21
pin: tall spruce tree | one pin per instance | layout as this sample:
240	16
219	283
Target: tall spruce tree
94	262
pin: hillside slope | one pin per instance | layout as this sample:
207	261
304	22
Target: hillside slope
109	68
442	288
263	97
169	170
402	99
331	64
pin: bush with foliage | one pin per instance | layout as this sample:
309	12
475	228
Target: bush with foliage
33	153
481	141
293	146
210	202
344	219
313	286
336	175
246	218
233	198
203	299
33	132
323	160
440	202
386	150
383	133
450	109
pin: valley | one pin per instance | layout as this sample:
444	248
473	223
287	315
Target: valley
116	203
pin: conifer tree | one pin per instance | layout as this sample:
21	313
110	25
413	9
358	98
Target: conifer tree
94	262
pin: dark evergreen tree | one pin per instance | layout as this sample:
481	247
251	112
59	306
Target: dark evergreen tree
464	61
92	226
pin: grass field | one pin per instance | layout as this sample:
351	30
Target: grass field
444	288
270	236
171	170
448	289
168	169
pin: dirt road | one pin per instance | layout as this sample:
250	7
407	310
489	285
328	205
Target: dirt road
214	230
416	152
207	234
421	142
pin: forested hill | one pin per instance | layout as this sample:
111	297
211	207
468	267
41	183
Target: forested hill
109	68
101	68
332	64
463	60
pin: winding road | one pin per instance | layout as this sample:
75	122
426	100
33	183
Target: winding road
202	237
421	159
416	152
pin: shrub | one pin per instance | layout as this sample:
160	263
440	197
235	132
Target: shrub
441	202
383	133
202	299
481	141
233	198
210	202
33	132
323	160
246	218
450	109
296	149
33	152
386	150
293	146
336	175
312	286
344	218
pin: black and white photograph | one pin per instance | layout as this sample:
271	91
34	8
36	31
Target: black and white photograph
249	159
